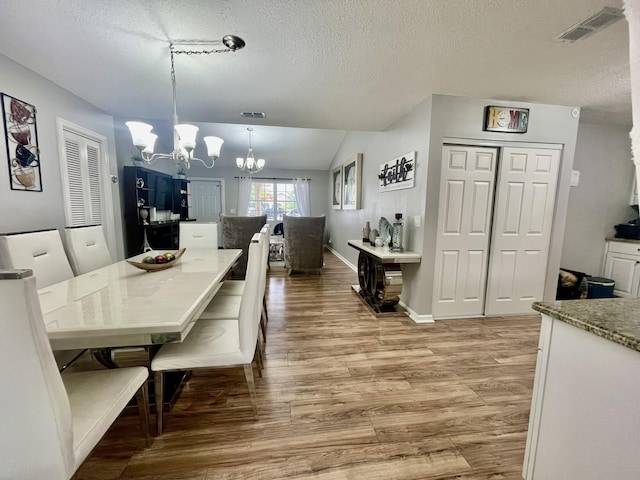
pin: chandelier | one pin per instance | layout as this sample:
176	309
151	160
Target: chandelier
184	135
250	164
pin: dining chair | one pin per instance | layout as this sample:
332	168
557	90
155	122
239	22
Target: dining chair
303	243
199	235
42	253
220	343
226	303
237	233
87	248
52	421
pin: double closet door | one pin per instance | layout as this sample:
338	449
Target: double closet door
494	227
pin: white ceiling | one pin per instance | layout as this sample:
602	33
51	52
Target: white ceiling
318	64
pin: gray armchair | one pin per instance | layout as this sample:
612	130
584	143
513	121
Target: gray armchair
237	233
303	243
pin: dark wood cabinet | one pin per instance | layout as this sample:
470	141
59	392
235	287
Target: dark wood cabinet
147	194
181	197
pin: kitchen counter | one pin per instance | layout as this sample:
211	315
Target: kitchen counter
624	240
616	319
585	421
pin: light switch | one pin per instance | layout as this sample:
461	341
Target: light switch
232	211
417	221
575	178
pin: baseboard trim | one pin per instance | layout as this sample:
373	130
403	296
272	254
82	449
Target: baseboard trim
416	317
343	259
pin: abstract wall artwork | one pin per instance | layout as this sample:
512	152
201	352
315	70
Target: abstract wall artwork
336	188
351	178
21	136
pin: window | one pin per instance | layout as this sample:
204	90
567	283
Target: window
273	199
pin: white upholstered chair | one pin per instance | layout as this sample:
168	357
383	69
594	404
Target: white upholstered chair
226	303
199	235
51	421
217	343
42	253
87	248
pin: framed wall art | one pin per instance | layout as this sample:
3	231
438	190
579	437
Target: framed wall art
336	188
351	182
21	137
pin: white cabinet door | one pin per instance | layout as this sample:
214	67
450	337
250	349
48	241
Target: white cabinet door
623	268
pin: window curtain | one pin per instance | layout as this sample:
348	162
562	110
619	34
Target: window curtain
301	188
632	12
244	195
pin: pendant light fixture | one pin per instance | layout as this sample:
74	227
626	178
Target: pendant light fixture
184	135
250	164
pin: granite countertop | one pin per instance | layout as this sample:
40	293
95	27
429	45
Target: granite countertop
616	319
623	240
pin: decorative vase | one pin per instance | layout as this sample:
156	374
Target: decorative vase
372	237
144	214
366	232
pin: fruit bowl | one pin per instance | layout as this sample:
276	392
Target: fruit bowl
154	267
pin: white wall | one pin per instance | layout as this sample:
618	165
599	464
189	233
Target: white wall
424	130
25	211
601	200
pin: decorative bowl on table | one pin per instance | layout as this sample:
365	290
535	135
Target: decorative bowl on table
152	263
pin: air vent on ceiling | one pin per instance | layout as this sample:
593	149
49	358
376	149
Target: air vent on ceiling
253	115
599	20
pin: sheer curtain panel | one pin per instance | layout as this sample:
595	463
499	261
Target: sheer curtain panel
301	186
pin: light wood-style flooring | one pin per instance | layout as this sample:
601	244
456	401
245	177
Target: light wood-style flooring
346	396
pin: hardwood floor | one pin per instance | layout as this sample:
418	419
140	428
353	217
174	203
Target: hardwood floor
346	396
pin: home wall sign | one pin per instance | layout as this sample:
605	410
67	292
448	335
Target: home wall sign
506	119
21	137
399	173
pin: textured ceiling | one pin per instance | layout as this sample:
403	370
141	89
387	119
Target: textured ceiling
320	64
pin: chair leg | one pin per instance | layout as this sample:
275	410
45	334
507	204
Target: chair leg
266	313
142	399
263	326
158	380
248	373
258	356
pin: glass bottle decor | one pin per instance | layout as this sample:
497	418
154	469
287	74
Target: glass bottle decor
366	231
397	234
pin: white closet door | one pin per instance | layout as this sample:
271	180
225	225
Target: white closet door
464	225
524	206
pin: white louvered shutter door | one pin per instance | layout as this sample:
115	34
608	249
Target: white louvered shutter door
81	177
95	193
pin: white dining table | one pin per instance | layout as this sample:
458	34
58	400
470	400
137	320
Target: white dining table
120	305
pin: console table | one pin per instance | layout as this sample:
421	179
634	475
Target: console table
380	275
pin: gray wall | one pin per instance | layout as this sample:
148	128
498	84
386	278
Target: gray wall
424	130
25	211
601	199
